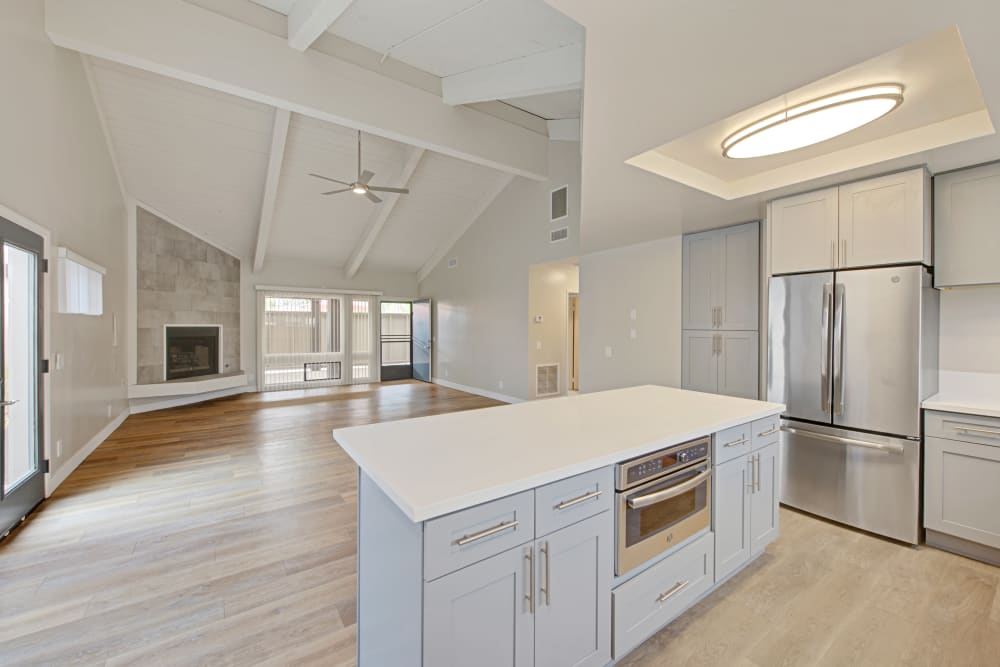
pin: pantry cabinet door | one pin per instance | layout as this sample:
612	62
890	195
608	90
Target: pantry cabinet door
701	280
739	370
700	361
739	267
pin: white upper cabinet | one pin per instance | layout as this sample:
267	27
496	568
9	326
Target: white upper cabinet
721	278
967	227
804	232
886	220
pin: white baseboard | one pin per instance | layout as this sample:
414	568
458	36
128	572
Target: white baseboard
477	391
54	479
139	405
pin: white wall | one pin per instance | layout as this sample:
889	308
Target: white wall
549	286
970	330
480	328
56	172
645	278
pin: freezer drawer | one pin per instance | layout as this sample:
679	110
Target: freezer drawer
867	481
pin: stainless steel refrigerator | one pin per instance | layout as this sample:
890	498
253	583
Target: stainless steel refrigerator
852	354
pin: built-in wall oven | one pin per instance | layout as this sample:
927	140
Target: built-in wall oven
662	499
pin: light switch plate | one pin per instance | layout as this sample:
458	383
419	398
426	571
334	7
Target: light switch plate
633	333
608	352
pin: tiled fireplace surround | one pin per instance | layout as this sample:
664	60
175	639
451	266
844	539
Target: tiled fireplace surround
182	280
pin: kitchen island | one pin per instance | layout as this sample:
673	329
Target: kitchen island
489	536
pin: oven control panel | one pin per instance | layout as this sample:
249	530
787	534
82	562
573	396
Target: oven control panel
654	465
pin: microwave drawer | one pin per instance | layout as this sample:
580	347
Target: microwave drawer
963	427
567	501
646	603
731	443
468	536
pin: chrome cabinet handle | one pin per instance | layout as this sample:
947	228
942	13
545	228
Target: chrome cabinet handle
9	403
843	259
530	597
771	431
665	494
969	429
734	443
548	584
499	528
674	590
888	449
833	254
566	504
756	473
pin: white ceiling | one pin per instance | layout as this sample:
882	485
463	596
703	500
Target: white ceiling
200	157
656	71
551	106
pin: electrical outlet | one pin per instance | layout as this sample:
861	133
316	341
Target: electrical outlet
500	384
60	361
446	372
538	344
608	352
633	314
633	333
58	449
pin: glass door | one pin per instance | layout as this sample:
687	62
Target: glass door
395	332
22	483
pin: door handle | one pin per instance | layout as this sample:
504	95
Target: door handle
8	403
670	492
547	589
838	368
824	372
530	597
888	449
843	259
756	473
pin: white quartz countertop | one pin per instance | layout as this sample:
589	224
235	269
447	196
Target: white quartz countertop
967	393
431	466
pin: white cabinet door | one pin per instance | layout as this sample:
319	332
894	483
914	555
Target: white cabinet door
739	280
967	227
738	365
573	617
764	496
480	615
804	232
701	280
731	515
700	368
885	220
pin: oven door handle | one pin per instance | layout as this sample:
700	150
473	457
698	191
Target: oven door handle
657	496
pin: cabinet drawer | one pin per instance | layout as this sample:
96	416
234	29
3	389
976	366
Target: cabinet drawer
643	605
765	432
456	540
570	500
962	490
967	428
731	443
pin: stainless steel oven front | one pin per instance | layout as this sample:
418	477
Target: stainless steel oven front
662	499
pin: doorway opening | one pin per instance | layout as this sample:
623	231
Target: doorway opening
396	335
553	332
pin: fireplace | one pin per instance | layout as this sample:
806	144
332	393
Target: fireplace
191	350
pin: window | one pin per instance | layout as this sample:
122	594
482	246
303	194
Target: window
80	284
301	325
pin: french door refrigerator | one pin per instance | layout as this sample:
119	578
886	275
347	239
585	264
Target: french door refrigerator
852	354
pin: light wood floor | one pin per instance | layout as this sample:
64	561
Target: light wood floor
224	534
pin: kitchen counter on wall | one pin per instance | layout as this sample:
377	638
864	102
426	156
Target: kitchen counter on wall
436	465
967	393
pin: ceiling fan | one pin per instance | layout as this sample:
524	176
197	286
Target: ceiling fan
361	185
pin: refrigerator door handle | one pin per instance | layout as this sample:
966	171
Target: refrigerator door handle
886	448
838	343
824	390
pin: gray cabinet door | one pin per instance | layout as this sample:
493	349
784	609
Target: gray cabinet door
962	490
967	226
738	365
764	497
701	280
573	615
739	280
731	510
481	615
700	364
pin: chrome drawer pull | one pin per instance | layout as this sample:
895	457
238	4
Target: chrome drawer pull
499	528
969	429
734	443
674	590
774	429
576	501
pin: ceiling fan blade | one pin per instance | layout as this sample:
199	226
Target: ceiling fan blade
401	191
333	192
371	195
327	178
366	176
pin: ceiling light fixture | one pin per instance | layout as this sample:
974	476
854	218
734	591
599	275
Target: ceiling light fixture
359	189
814	121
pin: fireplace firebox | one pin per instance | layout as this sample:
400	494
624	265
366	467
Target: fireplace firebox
190	351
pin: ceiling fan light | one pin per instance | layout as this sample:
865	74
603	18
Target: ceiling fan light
813	122
359	189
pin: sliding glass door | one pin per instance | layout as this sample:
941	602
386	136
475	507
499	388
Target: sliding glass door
22	478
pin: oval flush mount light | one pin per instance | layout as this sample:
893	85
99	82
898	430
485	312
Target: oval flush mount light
814	121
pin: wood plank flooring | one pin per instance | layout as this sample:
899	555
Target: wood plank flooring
224	534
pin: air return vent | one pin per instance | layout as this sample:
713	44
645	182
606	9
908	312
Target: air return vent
560	234
560	203
453	262
546	379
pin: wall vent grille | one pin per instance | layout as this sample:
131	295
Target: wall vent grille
557	235
560	203
546	379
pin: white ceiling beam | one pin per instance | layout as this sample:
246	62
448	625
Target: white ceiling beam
382	213
308	19
564	129
546	72
443	249
235	58
279	136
